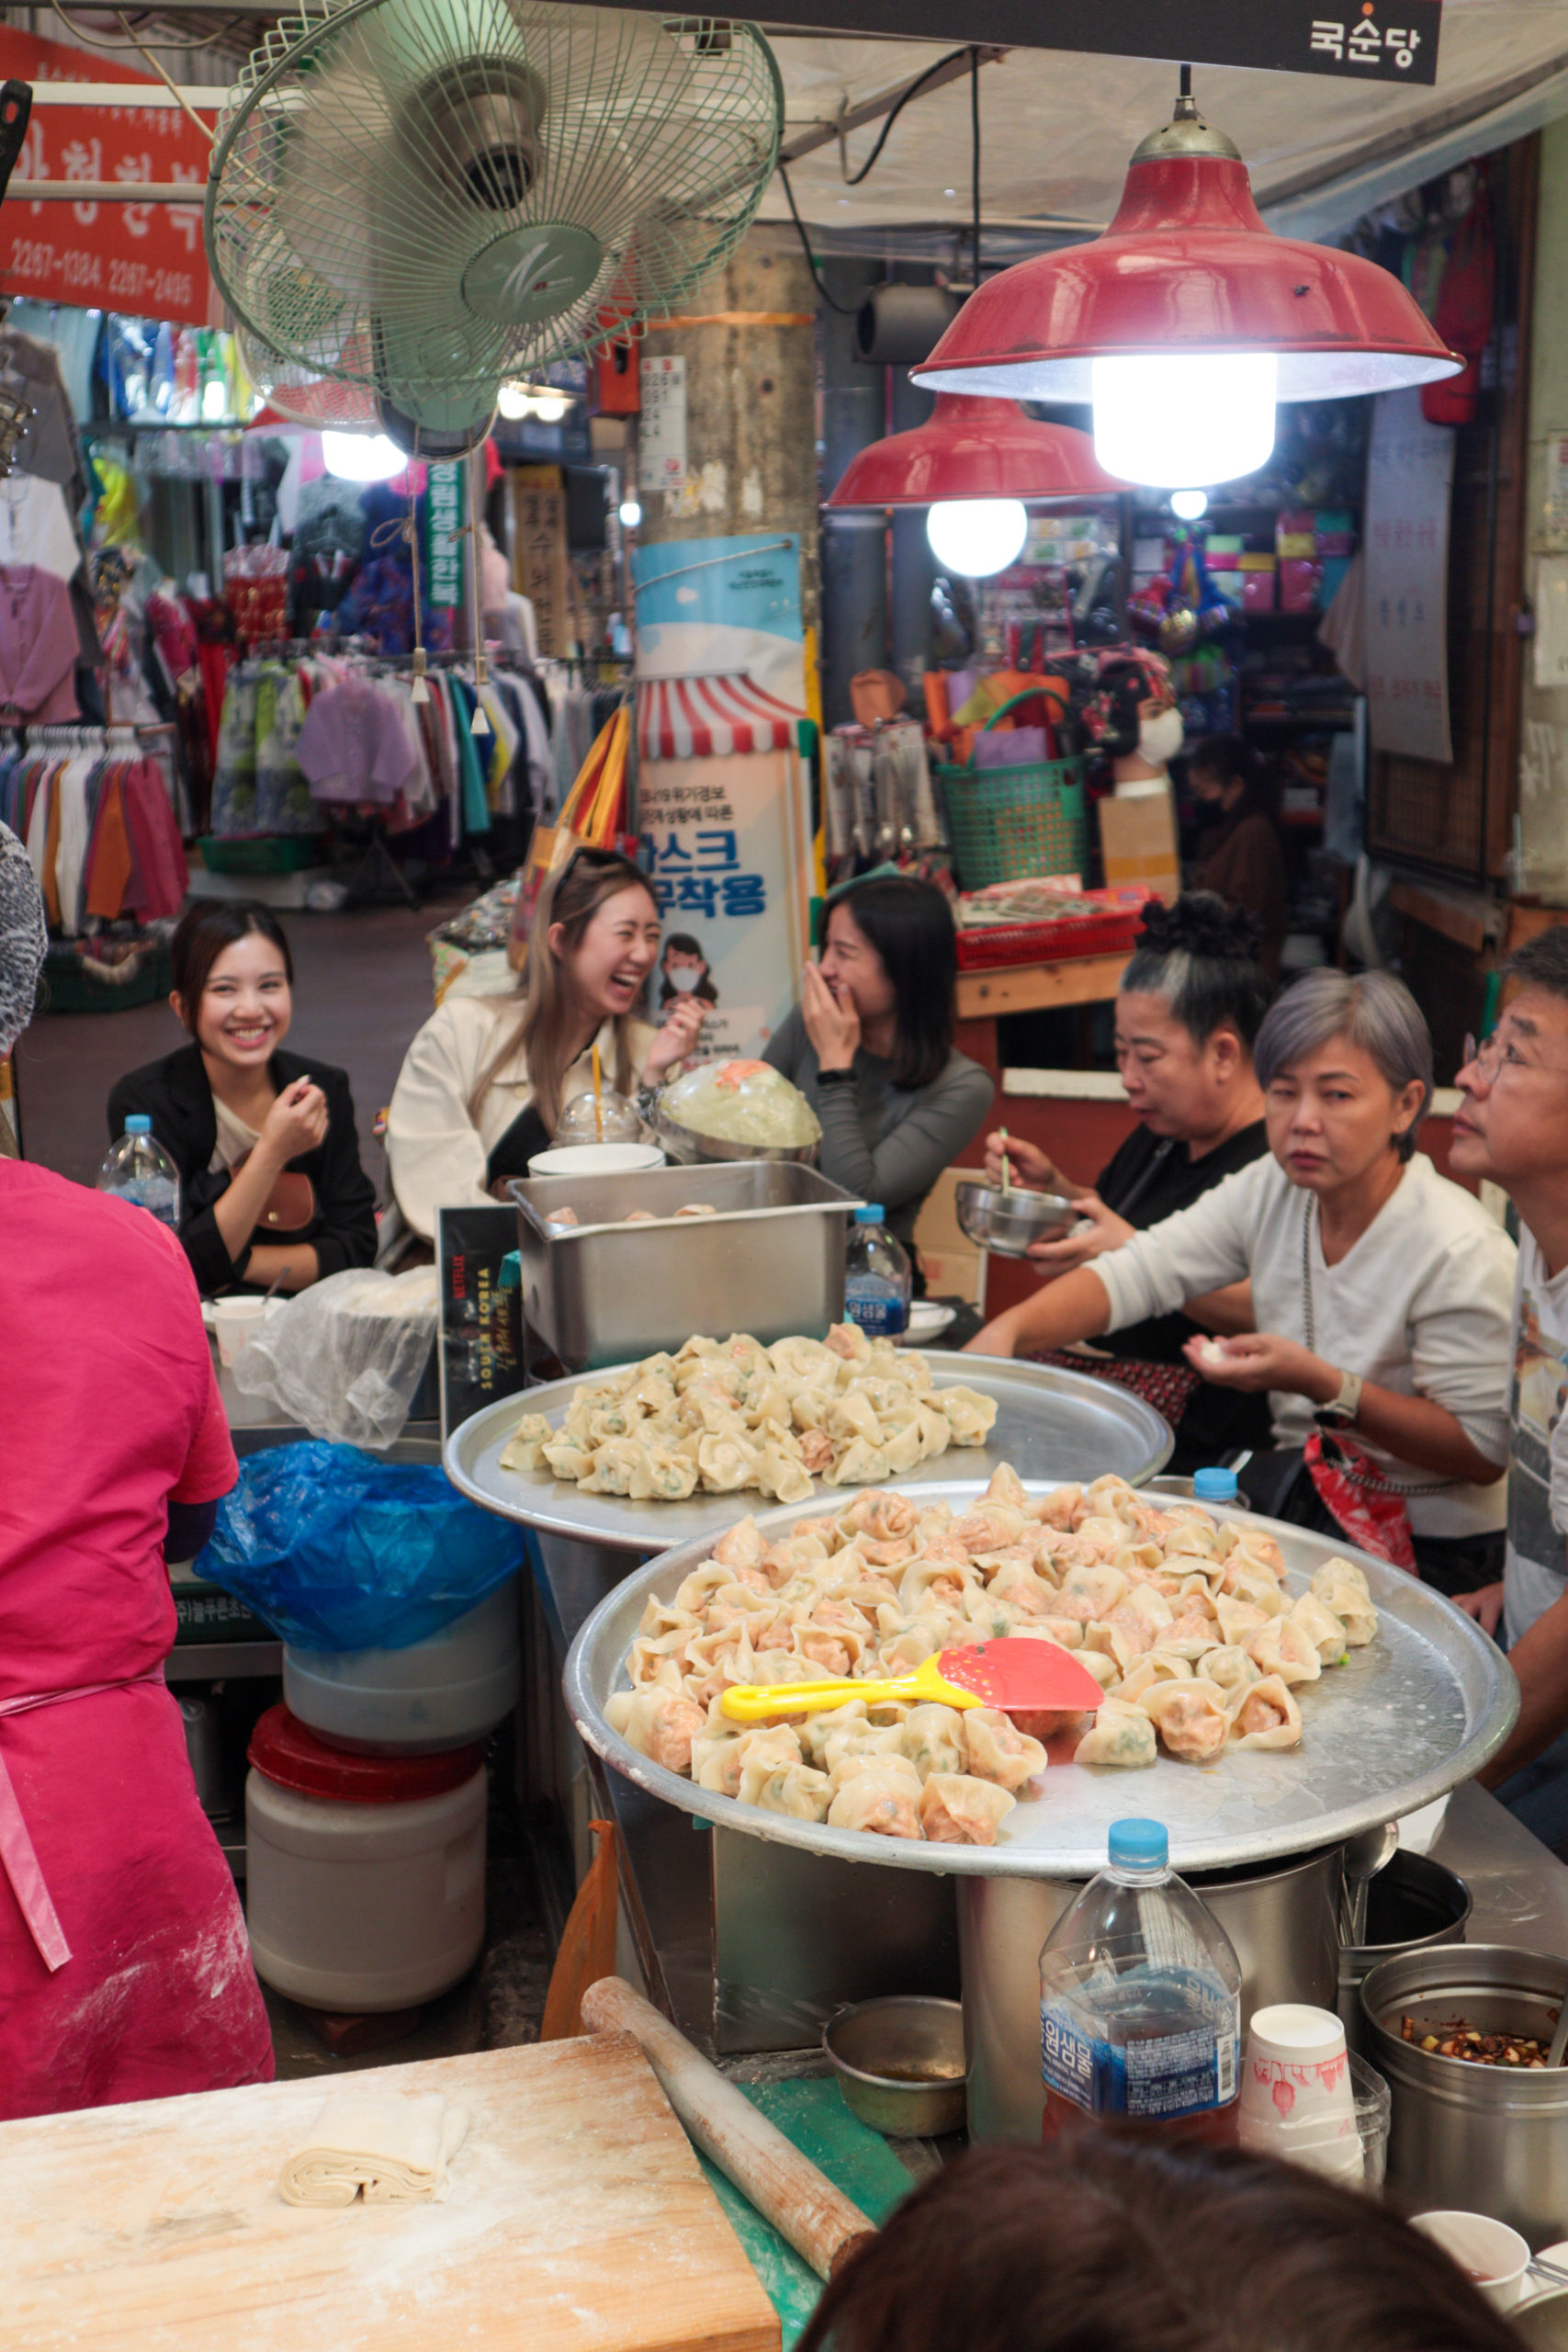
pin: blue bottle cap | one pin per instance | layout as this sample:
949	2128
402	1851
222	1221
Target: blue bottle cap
138	1123
1138	1846
1215	1485
511	1275
869	1213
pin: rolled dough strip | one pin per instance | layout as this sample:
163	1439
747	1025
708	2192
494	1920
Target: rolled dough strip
786	2188
377	2145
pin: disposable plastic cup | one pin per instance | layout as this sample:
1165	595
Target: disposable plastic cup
235	1322
1496	2256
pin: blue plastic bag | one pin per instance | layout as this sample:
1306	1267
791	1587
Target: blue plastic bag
339	1550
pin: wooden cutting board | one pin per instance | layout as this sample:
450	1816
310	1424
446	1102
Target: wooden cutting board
577	2220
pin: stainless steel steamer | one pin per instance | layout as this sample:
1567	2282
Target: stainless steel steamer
1397	1725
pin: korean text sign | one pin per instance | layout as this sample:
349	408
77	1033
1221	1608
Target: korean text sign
145	258
1409	480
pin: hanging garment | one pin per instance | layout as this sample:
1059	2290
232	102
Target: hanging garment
354	747
38	645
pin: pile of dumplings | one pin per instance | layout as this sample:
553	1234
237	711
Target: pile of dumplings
725	1415
1185	1624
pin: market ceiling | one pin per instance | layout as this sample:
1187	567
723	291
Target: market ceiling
1058	124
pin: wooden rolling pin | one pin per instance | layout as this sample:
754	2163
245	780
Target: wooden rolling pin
786	2188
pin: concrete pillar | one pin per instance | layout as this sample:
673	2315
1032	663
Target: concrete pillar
750	406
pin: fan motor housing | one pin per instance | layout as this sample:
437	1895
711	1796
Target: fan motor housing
486	114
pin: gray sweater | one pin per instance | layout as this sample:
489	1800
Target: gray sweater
878	1140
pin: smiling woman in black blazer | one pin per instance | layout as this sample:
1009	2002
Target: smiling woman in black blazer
271	1188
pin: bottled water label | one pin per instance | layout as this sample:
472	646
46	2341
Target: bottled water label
1159	2077
881	1311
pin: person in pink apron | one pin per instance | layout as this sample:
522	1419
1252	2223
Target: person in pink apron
125	1973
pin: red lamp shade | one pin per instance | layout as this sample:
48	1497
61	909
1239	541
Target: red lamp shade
974	448
1187	266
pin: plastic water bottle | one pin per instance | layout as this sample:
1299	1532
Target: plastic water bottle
877	1278
139	1170
1140	1997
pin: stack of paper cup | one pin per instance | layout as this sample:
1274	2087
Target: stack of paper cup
1297	2100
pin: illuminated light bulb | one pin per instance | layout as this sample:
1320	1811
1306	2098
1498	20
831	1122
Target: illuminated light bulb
1176	415
1189	505
977	535
513	402
362	456
631	513
550	407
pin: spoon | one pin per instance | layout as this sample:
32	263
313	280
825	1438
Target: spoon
1559	2043
1364	1856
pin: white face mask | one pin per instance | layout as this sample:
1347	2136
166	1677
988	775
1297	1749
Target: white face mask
1160	738
684	981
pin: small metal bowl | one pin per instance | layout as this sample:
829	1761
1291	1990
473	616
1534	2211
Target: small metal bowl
1008	1222
900	2063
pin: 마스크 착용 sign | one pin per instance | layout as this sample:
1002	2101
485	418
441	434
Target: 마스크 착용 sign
1355	41
661	434
1410	469
145	258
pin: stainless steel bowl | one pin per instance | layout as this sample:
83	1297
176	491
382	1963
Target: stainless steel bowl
1008	1222
1473	2139
1415	1904
900	2063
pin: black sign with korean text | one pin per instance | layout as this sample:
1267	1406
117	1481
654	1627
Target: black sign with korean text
1355	41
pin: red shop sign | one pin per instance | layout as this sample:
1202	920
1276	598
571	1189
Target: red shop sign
144	258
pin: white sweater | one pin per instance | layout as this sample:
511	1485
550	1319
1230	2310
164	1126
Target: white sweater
1420	1306
436	1154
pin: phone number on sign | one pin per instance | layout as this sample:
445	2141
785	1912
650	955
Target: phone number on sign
83	271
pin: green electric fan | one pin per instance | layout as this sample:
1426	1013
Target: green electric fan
424	198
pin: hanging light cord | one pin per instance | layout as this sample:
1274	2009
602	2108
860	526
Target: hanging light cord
975	155
845	309
855	179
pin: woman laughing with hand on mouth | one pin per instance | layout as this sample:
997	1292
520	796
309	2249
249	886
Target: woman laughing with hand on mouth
271	1188
483	1085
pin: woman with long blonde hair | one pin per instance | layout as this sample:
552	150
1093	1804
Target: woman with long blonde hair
483	1084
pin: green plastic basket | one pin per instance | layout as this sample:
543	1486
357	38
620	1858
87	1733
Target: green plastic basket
259	852
1007	823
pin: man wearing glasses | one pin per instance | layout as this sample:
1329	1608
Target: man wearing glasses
1513	1130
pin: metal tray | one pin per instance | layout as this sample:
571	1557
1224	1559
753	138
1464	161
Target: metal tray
770	1261
1422	1708
1048	1423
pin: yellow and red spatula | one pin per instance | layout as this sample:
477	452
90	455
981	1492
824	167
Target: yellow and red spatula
1018	1676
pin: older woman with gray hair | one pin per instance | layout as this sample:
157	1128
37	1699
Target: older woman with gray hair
1381	1291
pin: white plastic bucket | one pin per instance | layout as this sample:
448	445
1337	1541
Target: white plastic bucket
437	1694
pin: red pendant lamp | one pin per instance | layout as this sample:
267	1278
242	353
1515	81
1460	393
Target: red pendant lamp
1186	319
974	462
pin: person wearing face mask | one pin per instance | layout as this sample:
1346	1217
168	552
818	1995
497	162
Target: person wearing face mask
1188	1013
870	1047
271	1186
483	1085
1240	854
684	971
1380	1292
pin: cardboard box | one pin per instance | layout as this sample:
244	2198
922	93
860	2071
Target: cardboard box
1300	586
1138	839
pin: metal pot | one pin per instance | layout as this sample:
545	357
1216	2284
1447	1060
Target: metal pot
1282	1917
1465	2138
1413	1904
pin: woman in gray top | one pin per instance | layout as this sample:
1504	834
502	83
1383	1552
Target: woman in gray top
871	1046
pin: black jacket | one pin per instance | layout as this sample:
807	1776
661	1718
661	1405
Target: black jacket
177	1096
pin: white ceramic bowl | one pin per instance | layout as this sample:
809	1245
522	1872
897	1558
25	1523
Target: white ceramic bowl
596	1159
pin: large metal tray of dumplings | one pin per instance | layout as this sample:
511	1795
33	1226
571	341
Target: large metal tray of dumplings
1047	1421
1399	1724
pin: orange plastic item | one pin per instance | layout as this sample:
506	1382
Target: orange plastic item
588	1942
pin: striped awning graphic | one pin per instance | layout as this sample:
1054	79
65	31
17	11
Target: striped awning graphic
684	719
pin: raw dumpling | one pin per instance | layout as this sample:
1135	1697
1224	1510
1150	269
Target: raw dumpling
933	1739
525	1447
1118	1736
1159	1665
764	1753
1230	1667
1189	1717
1266	1716
997	1750
1322	1628
970	1415
958	1810
797	1790
724	1464
864	1465
1285	1648
881	1799
661	1725
1340	1586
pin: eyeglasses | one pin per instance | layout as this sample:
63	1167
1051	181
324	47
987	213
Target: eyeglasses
1494	1055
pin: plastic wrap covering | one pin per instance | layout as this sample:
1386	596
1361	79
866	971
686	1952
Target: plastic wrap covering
345	1358
744	1103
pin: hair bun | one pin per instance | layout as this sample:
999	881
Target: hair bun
1200	923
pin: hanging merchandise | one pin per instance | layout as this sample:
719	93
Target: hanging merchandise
466	193
1187	320
94	807
38	645
1465	309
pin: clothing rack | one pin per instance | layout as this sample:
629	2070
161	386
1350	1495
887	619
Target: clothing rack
83	735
